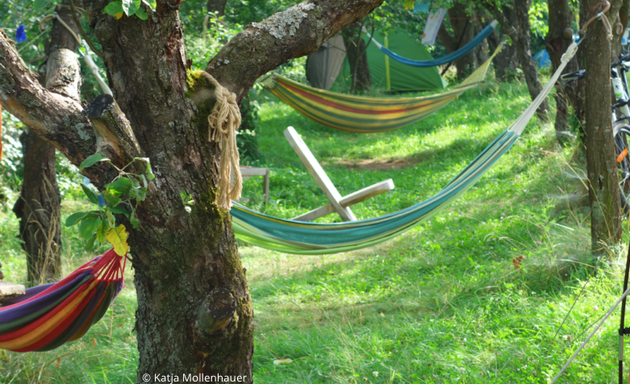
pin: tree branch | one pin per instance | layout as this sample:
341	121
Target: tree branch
286	35
55	117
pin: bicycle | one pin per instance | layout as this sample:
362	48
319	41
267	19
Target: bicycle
620	116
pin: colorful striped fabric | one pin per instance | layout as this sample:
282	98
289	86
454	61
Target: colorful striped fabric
456	55
50	315
313	239
365	114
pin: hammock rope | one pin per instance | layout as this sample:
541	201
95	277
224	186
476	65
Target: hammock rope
315	239
455	55
50	315
361	114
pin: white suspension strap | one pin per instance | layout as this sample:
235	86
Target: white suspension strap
519	125
223	122
606	316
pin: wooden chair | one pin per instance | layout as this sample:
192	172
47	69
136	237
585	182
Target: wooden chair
338	203
247	172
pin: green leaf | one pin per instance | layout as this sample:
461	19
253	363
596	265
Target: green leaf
133	7
90	195
122	185
113	8
118	238
91	160
90	244
119	211
142	15
101	232
112	199
111	221
39	4
89	225
72	219
126	4
134	221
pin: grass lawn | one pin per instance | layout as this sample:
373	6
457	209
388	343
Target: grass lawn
497	288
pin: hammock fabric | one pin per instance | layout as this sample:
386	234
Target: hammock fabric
50	315
458	54
312	238
365	114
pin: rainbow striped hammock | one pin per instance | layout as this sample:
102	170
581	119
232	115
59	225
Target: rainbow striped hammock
365	114
313	239
50	315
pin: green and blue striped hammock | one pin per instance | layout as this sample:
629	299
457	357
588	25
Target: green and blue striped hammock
361	114
314	239
456	55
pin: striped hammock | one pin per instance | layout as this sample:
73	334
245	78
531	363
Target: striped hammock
313	239
365	114
50	315
456	55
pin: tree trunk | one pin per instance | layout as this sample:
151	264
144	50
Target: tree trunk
514	20
557	40
506	62
600	149
194	309
216	6
38	210
38	206
356	50
464	28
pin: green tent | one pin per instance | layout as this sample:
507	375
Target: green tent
390	75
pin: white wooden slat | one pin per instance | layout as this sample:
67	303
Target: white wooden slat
318	174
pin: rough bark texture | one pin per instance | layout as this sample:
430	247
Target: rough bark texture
38	210
184	262
557	40
356	50
600	150
514	20
38	206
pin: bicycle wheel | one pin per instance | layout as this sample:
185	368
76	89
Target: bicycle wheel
621	133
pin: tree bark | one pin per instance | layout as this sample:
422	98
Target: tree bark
356	50
38	206
194	309
557	40
506	62
514	20
38	210
600	149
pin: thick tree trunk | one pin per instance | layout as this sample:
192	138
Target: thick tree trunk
194	309
38	210
356	50
514	20
600	149
38	206
557	40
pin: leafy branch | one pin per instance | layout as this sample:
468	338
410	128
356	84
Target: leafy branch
121	196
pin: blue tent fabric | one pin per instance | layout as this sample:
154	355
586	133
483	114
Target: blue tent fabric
542	59
463	51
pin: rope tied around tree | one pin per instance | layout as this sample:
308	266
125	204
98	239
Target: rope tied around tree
223	122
